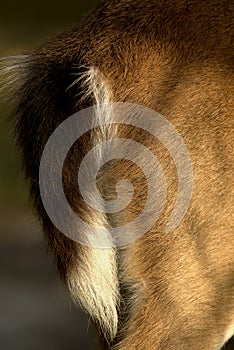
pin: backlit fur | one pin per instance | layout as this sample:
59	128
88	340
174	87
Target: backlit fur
165	291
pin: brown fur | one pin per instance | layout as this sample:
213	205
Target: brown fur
175	57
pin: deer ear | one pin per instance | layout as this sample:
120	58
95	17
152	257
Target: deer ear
46	90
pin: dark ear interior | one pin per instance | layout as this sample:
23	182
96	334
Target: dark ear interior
48	93
38	89
43	101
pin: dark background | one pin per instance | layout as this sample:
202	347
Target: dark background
36	312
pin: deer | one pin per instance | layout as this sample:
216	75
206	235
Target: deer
163	290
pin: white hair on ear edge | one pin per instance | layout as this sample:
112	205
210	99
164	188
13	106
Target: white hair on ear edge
94	84
13	73
94	282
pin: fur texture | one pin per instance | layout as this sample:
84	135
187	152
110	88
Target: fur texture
166	291
13	72
95	284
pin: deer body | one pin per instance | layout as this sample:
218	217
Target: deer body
166	290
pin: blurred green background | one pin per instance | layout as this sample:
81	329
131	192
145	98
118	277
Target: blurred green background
35	309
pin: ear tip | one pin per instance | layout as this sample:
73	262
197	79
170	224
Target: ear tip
13	70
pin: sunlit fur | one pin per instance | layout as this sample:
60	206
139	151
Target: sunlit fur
165	291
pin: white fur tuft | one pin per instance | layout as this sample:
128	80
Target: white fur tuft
13	73
94	284
94	281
